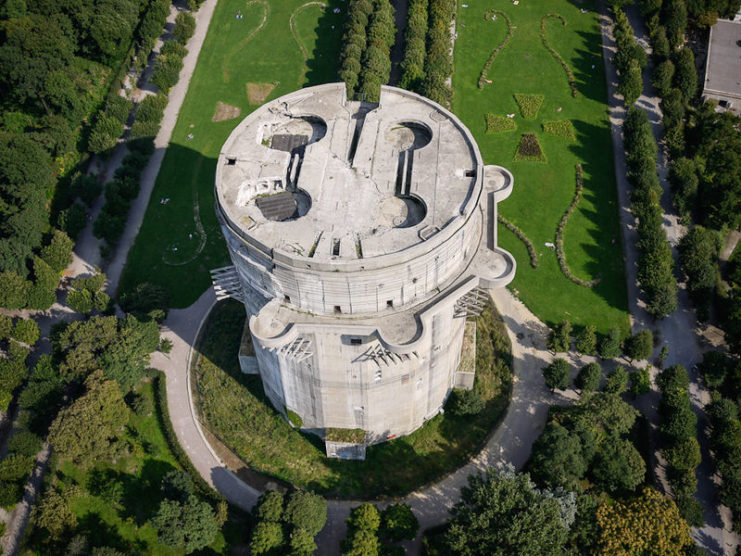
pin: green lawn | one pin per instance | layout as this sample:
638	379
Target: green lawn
170	249
235	408
543	191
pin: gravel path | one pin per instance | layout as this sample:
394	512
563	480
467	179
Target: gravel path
510	443
680	331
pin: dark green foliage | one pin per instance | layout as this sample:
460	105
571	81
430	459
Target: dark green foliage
465	402
26	331
72	220
674	19
639	346
725	439
366	516
302	543
559	339
151	108
438	63
673	378
714	367
529	149
306	510
398	523
54	515
269	506
58	253
25	179
167	71
15	467
586	340
684	180
655	264
589	377
631	83
617	380
640	382
145	300
413	63
663	77
610	345
698	255
557	374
189	524
619	468
6	326
557	459
172	47
185	26
266	536
87	431
495	505
685	76
177	485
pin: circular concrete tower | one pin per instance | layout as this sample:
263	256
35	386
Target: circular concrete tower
362	237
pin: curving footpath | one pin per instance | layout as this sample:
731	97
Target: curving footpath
510	443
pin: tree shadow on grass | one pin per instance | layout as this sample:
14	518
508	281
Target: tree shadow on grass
102	534
323	61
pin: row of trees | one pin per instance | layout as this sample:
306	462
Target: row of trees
370	532
630	59
415	34
57	62
679	435
38	290
438	60
725	441
611	346
655	263
287	524
365	60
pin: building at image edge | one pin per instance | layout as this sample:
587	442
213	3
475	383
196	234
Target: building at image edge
363	237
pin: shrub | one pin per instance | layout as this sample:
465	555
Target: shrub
24	443
490	14
557	374
610	345
72	220
497	124
586	340
560	337
617	380
589	377
560	128
521	235
639	345
529	149
399	523
306	511
185	26
81	301
167	71
151	108
465	402
58	253
26	331
640	382
529	104
13	290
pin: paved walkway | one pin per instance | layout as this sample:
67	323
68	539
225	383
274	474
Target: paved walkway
680	331
510	443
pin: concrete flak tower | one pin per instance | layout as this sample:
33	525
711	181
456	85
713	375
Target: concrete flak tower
363	236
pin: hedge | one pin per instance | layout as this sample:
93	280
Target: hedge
413	63
556	55
487	65
439	63
520	234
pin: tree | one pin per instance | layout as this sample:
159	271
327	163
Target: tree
26	331
685	76
649	523
58	254
503	514
560	337
618	466
54	515
684	455
189	525
589	378
267	536
640	382
684	180
399	523
177	485
586	340
605	414
269	506
6	326
305	510
714	367
557	459
663	77
365	516
361	542
185	25
617	380
465	402
87	430
610	346
557	374
25	178
631	84
698	253
302	543
639	346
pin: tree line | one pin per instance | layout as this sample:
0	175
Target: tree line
365	62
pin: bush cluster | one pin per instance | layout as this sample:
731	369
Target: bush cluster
439	60
413	62
109	124
560	128
365	64
497	124
725	441
369	531
679	434
655	263
87	294
556	55
521	235
630	59
529	104
560	254
529	149
487	65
